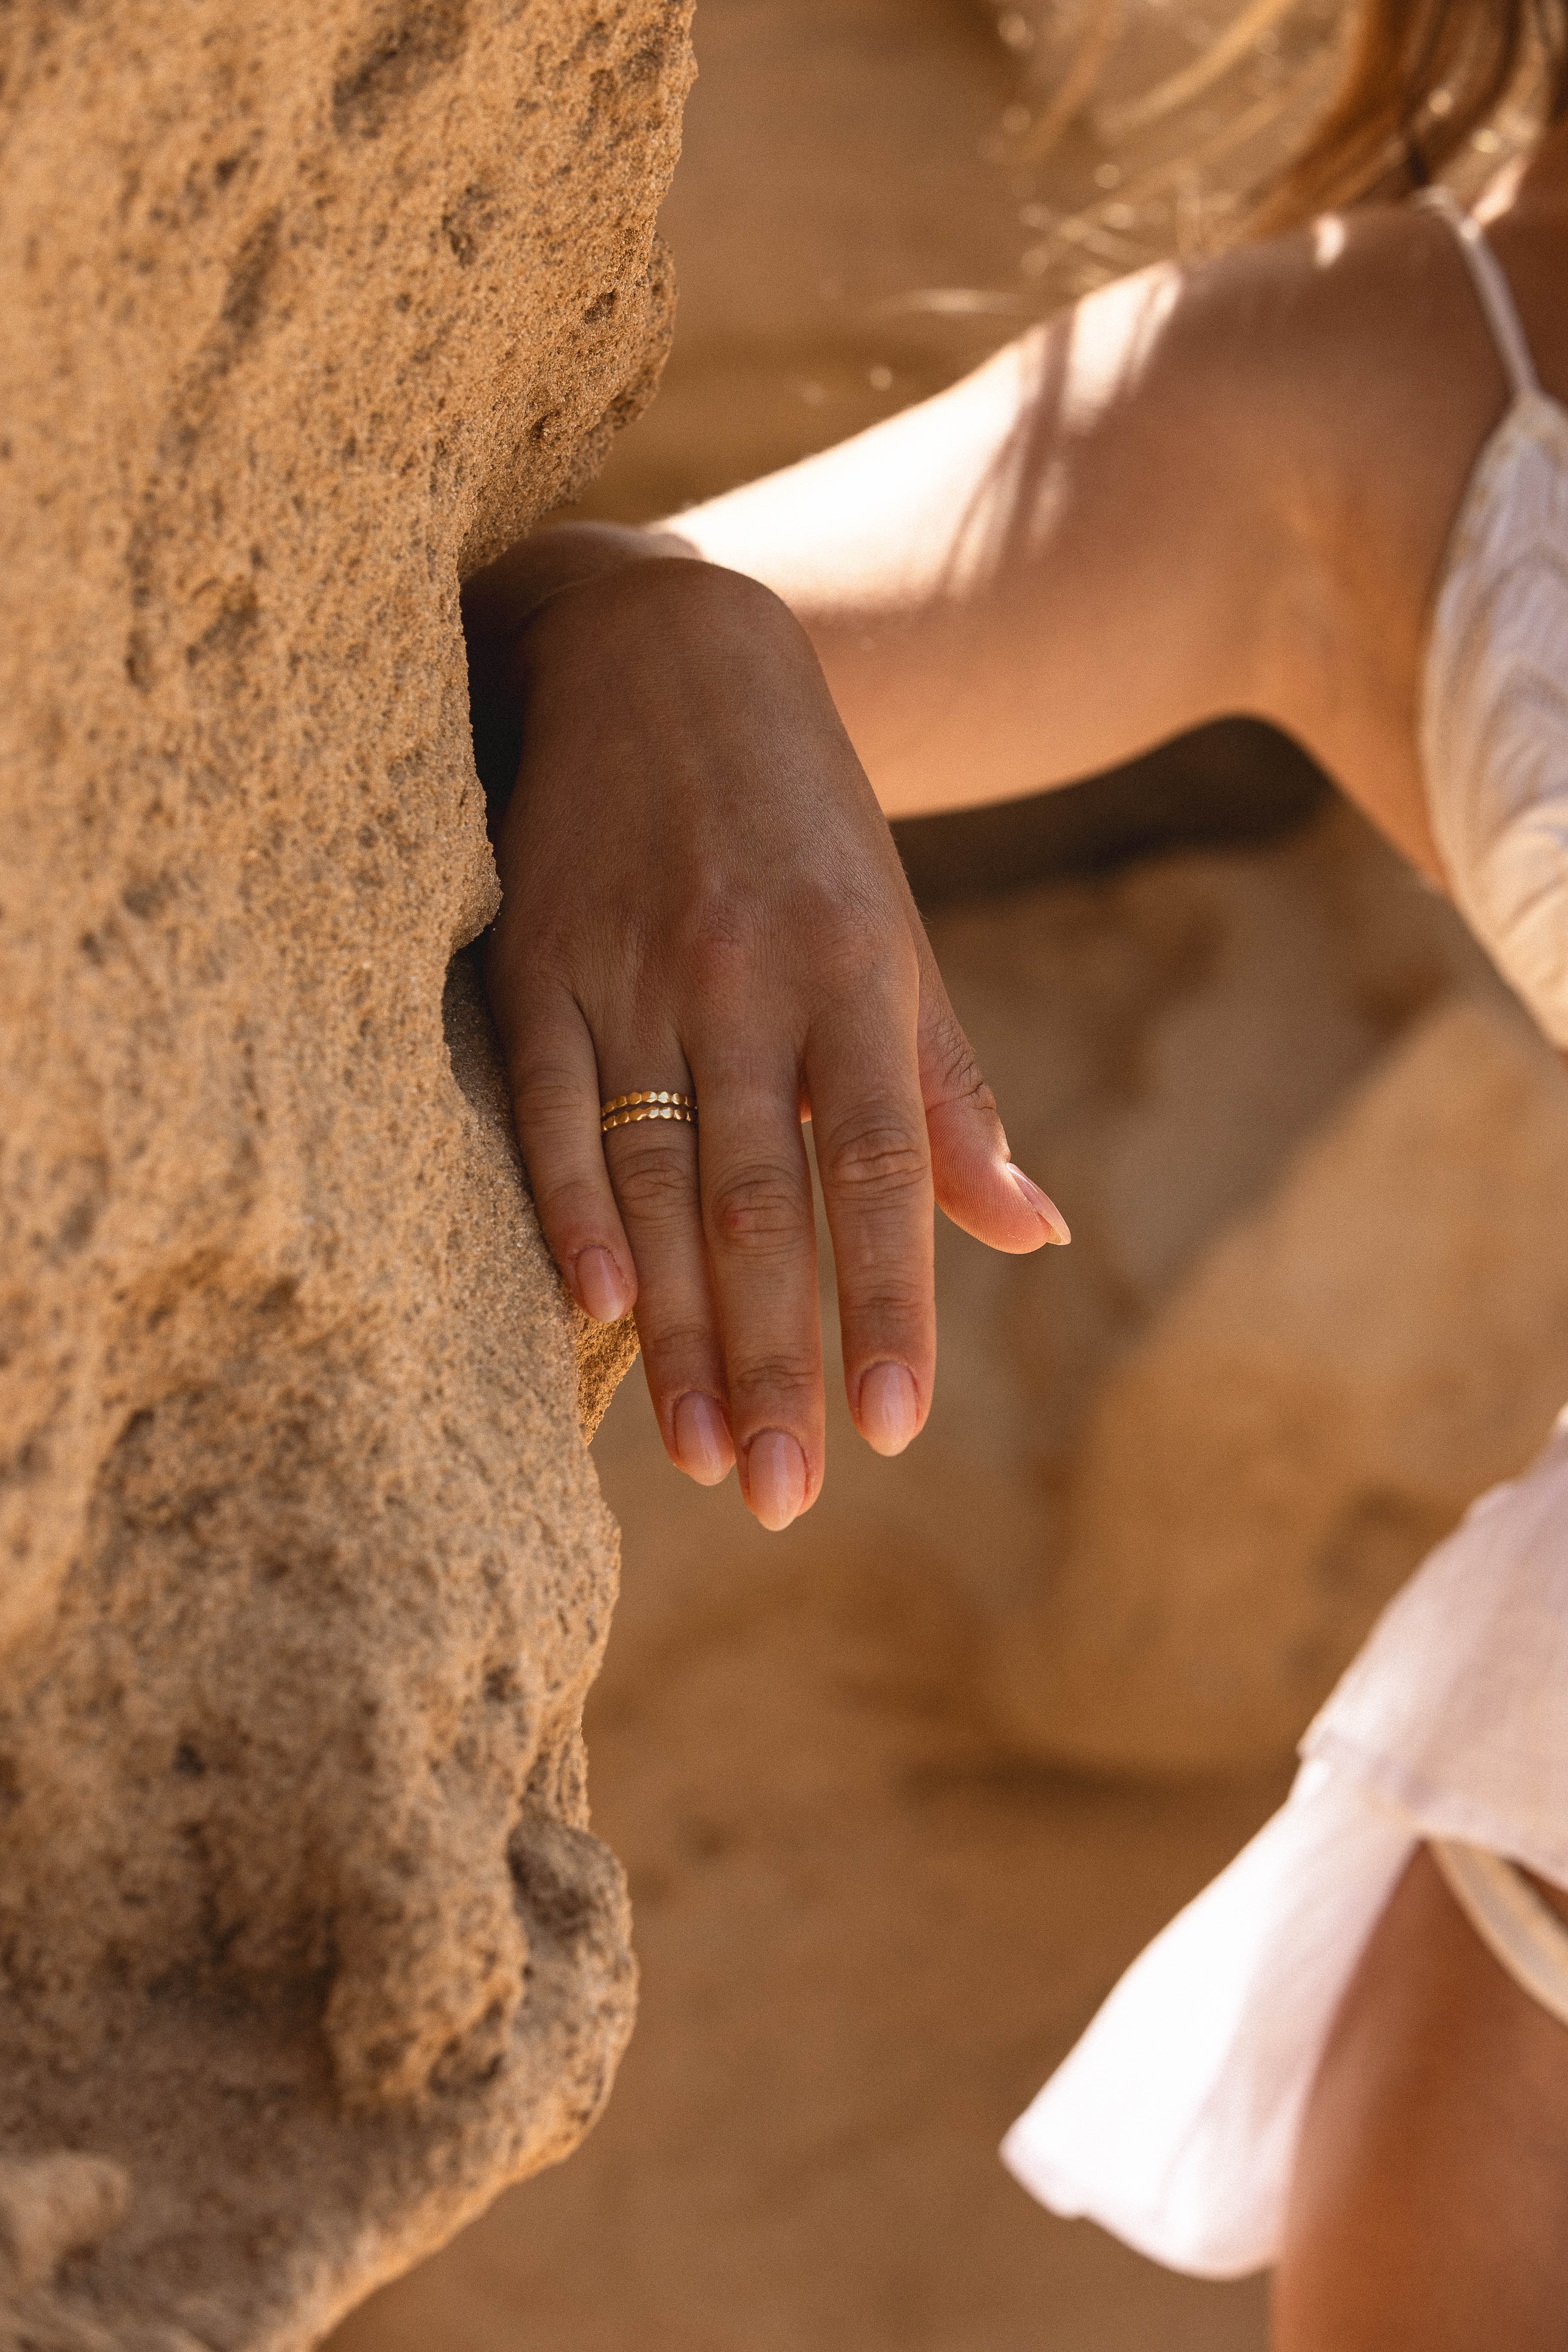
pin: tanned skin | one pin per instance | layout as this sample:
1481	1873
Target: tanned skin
1206	490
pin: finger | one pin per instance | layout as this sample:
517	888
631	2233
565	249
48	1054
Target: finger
556	1104
872	1154
761	1251
651	1153
977	1183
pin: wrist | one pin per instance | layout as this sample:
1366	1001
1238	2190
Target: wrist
623	615
499	602
566	554
659	599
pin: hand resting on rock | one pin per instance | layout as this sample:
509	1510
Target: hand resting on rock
702	896
1212	488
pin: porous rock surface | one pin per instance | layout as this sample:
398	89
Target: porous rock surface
1313	1156
305	1948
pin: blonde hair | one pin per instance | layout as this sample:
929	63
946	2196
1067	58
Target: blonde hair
1421	76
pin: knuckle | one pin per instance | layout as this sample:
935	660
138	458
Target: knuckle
526	980
857	946
786	1380
675	1341
568	1205
888	1303
651	1179
839	936
758	1208
958	1074
879	1160
721	950
545	1092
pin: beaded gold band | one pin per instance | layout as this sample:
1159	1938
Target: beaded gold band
630	1110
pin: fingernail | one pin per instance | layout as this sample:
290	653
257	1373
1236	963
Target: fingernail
702	1443
890	1408
601	1287
776	1479
1044	1207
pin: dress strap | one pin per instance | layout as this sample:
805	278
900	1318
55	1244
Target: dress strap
1493	288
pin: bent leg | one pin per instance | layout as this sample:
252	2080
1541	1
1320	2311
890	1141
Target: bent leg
1429	2212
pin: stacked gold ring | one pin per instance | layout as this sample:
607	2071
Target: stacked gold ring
630	1110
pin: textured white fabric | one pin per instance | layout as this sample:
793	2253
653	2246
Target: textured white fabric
1174	2122
1494	722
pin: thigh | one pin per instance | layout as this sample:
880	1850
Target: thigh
1429	2207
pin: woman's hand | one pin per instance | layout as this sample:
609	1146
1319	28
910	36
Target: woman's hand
702	894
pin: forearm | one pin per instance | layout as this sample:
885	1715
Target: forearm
1045	570
1205	491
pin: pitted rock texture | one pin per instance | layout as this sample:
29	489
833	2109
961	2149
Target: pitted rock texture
305	1948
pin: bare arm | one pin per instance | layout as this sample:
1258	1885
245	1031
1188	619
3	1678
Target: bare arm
1203	492
1200	492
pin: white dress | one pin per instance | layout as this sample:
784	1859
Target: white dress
1174	2122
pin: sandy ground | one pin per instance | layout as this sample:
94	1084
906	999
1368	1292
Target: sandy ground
865	1935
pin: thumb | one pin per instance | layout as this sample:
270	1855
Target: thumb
975	1181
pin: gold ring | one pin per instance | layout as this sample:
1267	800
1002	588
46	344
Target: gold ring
630	1110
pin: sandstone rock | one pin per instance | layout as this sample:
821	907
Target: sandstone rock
53	2205
1337	1379
303	1936
1176	1588
1179	1467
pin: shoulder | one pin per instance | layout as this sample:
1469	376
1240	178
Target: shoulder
1321	384
1352	351
1364	382
1351	382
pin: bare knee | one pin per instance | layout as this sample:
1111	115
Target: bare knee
1429	2207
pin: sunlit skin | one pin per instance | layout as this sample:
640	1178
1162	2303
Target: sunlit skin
1206	490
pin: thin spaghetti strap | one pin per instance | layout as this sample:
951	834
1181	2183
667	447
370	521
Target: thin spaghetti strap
1493	288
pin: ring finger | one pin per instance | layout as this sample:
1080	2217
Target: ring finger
650	1151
